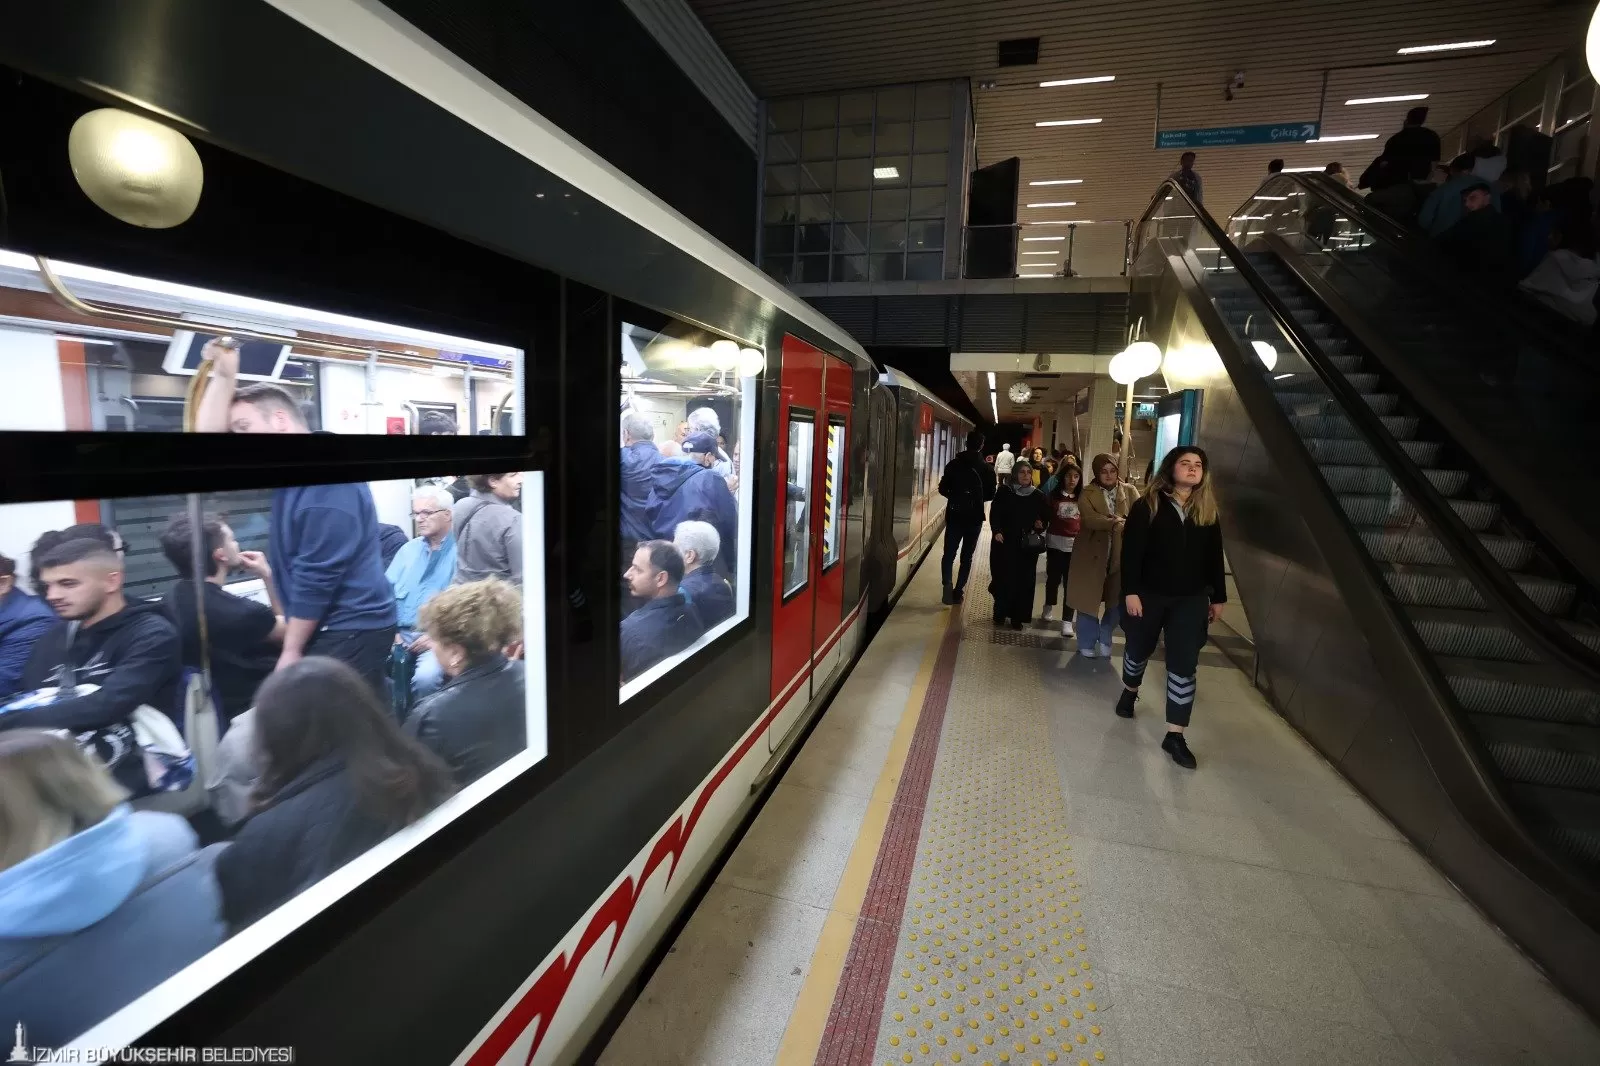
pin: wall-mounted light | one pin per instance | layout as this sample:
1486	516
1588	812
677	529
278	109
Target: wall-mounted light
751	362
135	169
723	355
1592	45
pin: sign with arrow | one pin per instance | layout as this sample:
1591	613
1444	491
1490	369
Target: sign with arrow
1229	136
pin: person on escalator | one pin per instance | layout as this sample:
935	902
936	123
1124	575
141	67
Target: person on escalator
1415	149
1188	177
1017	519
1172	586
1481	241
1444	206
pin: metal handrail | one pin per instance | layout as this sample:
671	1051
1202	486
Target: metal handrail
1501	594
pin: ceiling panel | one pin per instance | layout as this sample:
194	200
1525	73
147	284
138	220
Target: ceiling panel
790	47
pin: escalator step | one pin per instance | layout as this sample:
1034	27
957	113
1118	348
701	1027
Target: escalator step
1375	479
1568	819
1354	452
1418	546
1519	690
1448	586
1312	403
1543	753
1401	427
1363	382
1392	510
1347	364
1467	634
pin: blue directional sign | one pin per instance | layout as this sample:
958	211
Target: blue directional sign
1226	136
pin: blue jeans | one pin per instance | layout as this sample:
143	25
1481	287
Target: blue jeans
1092	630
427	675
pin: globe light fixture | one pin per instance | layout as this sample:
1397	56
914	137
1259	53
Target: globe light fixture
135	169
1138	360
1266	352
751	362
1592	46
724	355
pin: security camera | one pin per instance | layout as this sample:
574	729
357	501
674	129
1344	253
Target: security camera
1238	80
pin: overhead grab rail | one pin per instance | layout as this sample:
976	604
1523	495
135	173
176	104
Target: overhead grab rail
1500	593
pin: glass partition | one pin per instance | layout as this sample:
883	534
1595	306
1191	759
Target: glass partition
796	524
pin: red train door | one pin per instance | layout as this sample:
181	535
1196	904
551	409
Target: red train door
808	583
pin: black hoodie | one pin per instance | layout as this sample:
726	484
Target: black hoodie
133	656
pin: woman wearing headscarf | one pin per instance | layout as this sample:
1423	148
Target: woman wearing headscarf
1017	518
1094	582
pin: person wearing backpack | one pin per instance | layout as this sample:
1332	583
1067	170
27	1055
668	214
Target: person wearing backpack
967	483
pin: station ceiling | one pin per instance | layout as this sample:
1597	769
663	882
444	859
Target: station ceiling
1193	49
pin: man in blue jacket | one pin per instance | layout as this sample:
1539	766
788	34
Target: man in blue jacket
639	458
686	489
419	572
667	623
23	620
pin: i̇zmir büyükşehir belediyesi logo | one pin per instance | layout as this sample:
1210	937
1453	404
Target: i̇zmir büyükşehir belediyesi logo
19	1050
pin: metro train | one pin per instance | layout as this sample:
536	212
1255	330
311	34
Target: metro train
408	246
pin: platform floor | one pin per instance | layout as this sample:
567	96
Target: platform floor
972	860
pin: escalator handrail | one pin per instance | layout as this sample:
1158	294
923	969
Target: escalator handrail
1465	293
1500	593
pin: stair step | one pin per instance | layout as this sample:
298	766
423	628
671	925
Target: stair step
1468	634
1418	546
1377	480
1401	427
1449	586
1393	510
1311	404
1553	754
1352	452
1518	690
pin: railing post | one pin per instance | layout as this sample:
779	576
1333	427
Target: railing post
1127	246
1066	268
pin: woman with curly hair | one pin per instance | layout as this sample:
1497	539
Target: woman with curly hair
479	718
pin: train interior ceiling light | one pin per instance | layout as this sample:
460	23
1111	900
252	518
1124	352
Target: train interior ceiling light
134	169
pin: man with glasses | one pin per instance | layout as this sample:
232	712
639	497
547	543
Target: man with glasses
420	571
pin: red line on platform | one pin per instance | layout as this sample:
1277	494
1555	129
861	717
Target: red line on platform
851	1034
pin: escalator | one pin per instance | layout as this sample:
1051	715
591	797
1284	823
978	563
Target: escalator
1437	644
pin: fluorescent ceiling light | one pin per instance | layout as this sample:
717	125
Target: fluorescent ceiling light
1402	98
1076	81
991	381
885	173
1057	203
1059	181
1044	238
1249	218
994	408
1417	49
1061	222
1303	170
1260	197
1069	122
1035	275
1344	137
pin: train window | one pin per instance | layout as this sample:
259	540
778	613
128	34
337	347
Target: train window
832	494
797	495
688	427
144	363
267	744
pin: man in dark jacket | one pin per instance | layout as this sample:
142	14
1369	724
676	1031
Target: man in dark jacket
967	483
639	457
23	620
130	651
1482	241
709	592
1415	149
666	624
685	489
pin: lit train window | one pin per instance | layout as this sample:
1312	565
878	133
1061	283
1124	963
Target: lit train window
833	494
688	431
138	365
201	760
797	496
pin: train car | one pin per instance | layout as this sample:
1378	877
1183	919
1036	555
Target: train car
429	292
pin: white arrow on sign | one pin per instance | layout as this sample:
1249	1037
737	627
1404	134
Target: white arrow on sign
1308	130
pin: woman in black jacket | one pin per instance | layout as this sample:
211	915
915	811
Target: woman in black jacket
337	777
1018	510
479	718
1172	583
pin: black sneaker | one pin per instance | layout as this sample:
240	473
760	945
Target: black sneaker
959	596
1015	624
1174	745
948	598
1125	703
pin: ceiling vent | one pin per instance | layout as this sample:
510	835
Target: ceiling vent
1019	52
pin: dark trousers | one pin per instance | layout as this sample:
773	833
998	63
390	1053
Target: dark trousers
960	531
367	651
1014	574
1183	619
1056	565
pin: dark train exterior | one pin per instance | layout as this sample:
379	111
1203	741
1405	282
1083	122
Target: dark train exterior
365	171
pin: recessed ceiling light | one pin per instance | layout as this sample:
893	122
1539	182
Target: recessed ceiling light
1402	98
1454	46
1069	122
1059	181
1260	197
1344	137
1042	253
1057	203
885	173
1076	81
1249	218
1044	238
1303	170
1060	222
1035	275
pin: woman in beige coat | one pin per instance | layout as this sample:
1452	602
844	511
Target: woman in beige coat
1095	580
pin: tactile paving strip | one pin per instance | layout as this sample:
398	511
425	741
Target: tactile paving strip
992	964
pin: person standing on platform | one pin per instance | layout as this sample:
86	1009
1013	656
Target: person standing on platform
1003	461
1172	584
968	484
1017	518
1188	178
1060	536
1096	574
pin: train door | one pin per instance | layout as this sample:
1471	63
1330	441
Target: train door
833	451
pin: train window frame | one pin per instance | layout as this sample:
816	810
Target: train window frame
833	515
635	320
799	416
238	950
